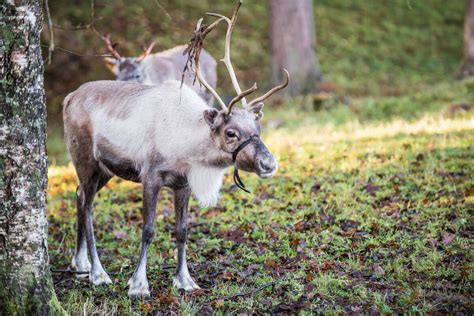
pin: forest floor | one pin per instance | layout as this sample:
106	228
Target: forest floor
371	210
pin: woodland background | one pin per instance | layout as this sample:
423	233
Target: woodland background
373	49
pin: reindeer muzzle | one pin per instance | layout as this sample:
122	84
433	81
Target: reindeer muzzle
265	164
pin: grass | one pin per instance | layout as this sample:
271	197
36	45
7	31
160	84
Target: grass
370	211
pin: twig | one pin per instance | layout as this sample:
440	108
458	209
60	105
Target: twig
242	294
168	266
163	9
69	271
79	54
51	32
75	272
62	281
90	26
72	28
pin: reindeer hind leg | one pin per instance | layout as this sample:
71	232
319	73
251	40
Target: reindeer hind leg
91	178
80	261
97	273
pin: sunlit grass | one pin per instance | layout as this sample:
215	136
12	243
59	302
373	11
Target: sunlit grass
361	216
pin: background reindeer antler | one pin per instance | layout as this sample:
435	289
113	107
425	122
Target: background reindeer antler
111	47
146	51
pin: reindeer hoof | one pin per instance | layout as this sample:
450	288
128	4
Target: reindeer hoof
138	287
185	282
99	277
81	263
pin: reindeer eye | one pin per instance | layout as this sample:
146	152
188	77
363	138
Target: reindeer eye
230	133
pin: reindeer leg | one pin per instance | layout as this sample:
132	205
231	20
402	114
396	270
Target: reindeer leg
138	283
80	261
183	279
97	274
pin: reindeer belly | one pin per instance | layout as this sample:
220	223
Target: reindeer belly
115	162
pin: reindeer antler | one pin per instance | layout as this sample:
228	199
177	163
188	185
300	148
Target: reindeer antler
111	47
228	64
271	91
194	50
146	52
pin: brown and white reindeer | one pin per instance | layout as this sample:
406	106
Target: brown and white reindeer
163	135
153	69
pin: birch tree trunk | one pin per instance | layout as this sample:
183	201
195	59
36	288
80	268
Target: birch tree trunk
467	68
25	281
293	44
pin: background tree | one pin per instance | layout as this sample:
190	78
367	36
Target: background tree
293	44
467	68
26	285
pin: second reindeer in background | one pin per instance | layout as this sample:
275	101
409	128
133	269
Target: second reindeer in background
154	69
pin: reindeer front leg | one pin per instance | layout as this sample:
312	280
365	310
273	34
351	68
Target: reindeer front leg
183	279
138	283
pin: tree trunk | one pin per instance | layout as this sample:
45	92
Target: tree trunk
26	285
467	68
293	44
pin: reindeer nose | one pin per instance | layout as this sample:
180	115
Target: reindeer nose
266	164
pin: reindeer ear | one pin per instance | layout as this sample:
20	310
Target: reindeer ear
112	64
213	118
257	111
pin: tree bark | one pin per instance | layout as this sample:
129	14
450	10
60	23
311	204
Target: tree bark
467	68
26	285
293	44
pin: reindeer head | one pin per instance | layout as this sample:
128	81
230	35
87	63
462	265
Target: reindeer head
236	131
125	68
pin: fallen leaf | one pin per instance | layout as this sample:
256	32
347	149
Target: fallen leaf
316	187
448	238
120	234
371	188
470	191
217	304
378	270
328	265
206	311
433	242
270	263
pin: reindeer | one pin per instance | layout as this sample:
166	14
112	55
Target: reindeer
153	69
163	135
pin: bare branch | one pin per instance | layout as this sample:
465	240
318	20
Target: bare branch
78	54
51	32
163	9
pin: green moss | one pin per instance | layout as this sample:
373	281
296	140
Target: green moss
37	297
